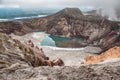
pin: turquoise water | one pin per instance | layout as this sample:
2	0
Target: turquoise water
57	41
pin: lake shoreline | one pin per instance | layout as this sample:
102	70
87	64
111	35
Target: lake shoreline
70	56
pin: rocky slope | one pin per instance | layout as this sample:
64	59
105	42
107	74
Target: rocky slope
25	61
107	71
14	27
110	54
14	52
70	22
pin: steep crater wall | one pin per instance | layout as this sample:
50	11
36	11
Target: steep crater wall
70	22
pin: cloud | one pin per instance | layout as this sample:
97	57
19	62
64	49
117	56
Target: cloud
108	6
10	6
40	3
59	3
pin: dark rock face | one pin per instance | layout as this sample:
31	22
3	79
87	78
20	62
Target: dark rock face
70	22
13	27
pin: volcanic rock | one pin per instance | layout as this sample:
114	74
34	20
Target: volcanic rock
14	27
108	71
110	54
14	52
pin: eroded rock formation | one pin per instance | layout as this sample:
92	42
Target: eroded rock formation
12	51
110	54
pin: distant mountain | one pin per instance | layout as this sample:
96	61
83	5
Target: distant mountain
70	22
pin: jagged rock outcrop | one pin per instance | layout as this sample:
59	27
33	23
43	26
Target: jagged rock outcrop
14	52
110	54
70	22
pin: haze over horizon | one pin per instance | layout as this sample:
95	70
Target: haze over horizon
108	6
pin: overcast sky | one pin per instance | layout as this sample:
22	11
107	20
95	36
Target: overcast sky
60	3
107	5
